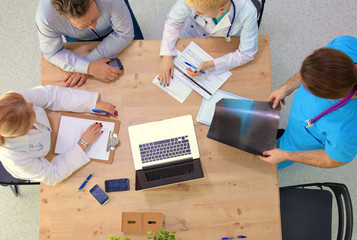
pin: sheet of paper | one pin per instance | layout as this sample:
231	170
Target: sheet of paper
206	112
71	130
177	88
206	84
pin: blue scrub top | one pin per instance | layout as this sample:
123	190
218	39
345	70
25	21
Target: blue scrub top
335	132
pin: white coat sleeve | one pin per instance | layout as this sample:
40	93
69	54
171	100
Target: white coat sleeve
122	35
61	99
40	169
247	48
173	27
52	48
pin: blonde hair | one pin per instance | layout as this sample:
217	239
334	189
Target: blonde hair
15	116
206	4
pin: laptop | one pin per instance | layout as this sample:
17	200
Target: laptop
165	152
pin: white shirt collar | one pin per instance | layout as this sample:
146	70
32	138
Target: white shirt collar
226	21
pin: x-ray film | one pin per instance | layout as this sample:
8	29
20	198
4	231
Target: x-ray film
248	125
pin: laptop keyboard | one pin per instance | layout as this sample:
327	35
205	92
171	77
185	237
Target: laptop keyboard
165	149
172	171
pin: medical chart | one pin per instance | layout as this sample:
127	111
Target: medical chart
206	84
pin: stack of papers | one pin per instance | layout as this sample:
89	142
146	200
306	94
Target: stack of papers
207	85
206	112
181	85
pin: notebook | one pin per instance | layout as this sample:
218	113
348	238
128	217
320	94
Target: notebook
165	152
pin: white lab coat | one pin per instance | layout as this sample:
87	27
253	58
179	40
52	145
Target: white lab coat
23	156
181	19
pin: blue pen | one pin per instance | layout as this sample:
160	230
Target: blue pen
85	181
101	111
193	67
227	238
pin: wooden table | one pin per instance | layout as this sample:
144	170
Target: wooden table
239	194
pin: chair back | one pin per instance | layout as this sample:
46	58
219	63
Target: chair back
306	211
7	179
259	5
137	31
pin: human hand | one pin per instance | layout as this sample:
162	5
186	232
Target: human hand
101	70
274	156
166	70
73	78
203	67
92	133
278	97
104	106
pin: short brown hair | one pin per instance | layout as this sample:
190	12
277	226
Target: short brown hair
15	117
71	8
329	73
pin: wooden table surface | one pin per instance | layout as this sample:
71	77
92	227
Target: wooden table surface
239	194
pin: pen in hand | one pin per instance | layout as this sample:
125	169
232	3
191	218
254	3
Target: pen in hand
188	64
85	181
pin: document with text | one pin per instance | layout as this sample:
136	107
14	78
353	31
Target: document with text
177	88
206	84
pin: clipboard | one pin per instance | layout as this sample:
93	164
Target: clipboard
113	140
207	108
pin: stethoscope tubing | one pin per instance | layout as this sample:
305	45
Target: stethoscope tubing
227	37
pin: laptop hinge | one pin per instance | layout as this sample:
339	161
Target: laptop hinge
168	163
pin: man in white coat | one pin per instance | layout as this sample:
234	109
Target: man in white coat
25	132
210	18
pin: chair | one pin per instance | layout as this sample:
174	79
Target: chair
137	31
6	179
306	212
259	5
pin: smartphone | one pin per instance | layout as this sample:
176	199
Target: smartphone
115	62
115	185
99	194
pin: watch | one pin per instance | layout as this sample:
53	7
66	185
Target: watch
84	143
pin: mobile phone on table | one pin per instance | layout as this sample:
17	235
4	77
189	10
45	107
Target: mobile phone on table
99	194
115	62
115	185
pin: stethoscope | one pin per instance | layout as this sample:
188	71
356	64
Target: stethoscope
227	37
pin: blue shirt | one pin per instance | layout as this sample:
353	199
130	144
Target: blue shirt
336	132
114	19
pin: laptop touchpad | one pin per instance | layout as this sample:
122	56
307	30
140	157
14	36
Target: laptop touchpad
161	130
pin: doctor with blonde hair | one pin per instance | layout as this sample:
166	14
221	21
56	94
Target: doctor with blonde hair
210	18
25	132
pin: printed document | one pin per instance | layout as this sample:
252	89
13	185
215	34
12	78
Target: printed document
206	84
71	130
177	88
